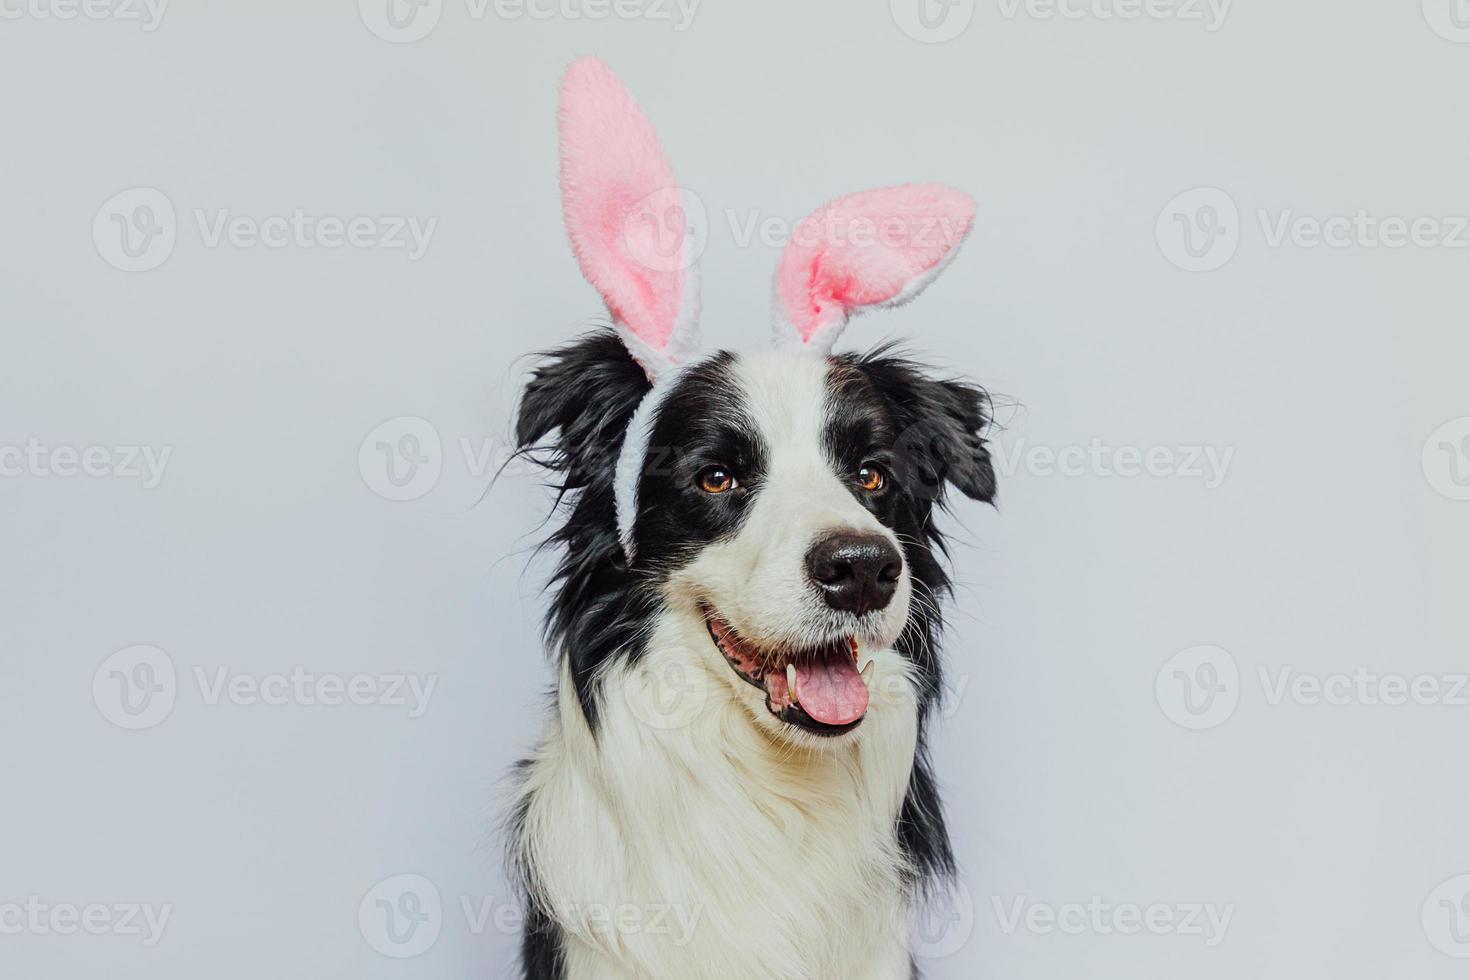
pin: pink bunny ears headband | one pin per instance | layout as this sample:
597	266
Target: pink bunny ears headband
628	225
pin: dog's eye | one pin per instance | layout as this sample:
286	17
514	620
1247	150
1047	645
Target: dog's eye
716	479
870	477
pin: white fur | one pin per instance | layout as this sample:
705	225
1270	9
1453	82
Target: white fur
771	852
757	581
783	855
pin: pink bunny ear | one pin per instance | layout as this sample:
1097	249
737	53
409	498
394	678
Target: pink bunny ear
627	219
871	249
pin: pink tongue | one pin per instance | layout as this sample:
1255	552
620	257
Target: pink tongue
831	691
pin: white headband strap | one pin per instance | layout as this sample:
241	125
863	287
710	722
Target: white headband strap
634	453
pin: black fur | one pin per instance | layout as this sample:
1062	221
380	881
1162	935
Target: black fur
927	434
701	424
586	392
942	426
542	955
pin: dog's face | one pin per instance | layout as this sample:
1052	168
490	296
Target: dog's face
784	513
776	516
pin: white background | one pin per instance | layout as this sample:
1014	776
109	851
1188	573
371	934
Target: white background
1334	541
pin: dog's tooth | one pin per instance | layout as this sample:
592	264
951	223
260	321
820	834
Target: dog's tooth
791	684
867	673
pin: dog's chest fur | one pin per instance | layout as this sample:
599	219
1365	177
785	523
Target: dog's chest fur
696	847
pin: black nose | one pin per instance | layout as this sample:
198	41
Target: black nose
856	572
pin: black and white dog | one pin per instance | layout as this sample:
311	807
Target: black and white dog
733	781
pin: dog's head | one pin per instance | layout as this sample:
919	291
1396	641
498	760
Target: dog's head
778	503
785	505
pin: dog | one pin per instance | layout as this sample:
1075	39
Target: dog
732	780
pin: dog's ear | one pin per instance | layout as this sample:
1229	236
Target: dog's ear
586	392
942	427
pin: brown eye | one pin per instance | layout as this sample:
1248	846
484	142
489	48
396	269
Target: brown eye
870	478
716	479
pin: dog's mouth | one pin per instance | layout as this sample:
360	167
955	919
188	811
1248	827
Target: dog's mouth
818	689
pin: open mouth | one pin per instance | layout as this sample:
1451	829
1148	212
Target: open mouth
818	689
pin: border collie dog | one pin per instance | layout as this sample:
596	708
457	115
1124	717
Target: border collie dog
732	783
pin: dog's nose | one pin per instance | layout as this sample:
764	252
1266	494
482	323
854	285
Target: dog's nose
856	572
